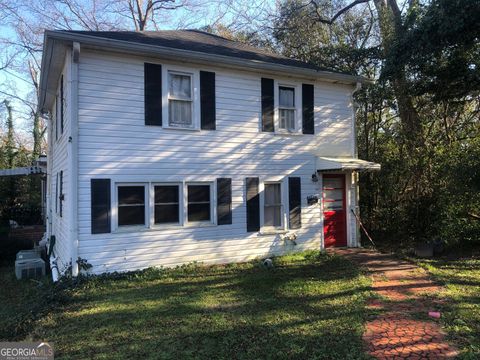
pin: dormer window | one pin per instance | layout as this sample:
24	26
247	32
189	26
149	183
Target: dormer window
180	100
286	105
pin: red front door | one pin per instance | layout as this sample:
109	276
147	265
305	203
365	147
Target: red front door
334	212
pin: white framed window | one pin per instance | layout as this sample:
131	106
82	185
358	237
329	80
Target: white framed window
273	209
167	204
180	100
286	108
200	203
131	200
157	205
288	111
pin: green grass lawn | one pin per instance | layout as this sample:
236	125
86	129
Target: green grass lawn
309	305
20	301
462	311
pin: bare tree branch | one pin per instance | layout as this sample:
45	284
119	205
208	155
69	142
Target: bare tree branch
339	13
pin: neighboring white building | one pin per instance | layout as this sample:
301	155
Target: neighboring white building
177	146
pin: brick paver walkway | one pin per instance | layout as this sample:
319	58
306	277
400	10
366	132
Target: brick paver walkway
402	330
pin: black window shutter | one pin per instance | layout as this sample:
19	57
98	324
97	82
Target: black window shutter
56	194
57	116
267	105
224	201
253	204
153	94
308	124
100	202
62	102
294	203
207	100
60	196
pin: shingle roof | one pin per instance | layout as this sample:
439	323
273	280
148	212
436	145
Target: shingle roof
195	40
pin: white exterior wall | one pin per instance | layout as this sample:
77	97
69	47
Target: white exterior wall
114	143
57	161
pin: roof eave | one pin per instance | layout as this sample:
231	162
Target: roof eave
53	58
43	75
167	52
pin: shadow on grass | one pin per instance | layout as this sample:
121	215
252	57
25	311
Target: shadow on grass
305	307
462	301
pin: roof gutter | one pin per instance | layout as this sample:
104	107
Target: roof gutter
167	52
46	54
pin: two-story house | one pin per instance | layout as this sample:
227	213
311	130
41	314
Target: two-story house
170	147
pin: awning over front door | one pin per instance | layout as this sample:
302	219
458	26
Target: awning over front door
345	164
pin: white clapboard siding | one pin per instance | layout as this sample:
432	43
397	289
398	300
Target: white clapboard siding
115	143
60	226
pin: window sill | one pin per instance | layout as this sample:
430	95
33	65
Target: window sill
272	232
133	229
130	228
165	227
288	133
181	129
198	224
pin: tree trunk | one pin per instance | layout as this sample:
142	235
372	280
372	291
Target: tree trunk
391	29
10	143
37	137
10	152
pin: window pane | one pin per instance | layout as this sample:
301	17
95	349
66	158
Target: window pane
286	97
180	86
180	113
198	193
166	204
283	119
166	214
273	207
166	194
198	203
333	183
333	205
272	194
199	212
273	216
336	194
131	215
129	195
287	119
291	120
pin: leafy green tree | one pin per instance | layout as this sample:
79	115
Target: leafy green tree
424	102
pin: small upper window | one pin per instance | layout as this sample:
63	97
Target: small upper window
167	205
131	205
273	205
286	105
180	100
199	203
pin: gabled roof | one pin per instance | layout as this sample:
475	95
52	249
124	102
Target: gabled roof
187	45
200	41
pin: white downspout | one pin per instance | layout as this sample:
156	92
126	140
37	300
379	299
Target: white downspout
48	212
49	222
73	158
54	268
